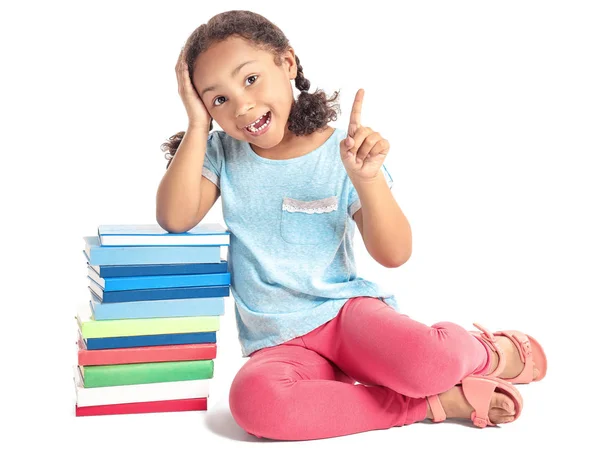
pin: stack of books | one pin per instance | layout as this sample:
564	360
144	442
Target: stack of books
147	337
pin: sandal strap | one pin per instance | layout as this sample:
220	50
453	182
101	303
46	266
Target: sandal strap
438	412
478	391
523	345
489	340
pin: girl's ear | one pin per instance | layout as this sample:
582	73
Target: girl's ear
289	59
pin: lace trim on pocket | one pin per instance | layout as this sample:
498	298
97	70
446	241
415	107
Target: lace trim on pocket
312	206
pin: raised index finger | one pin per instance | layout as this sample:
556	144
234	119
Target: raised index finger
356	111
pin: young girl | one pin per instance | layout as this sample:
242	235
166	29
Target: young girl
329	352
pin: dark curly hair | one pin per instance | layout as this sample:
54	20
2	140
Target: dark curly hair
310	112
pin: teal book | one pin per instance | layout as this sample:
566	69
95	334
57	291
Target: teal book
148	255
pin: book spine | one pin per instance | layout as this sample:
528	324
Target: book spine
178	405
148	354
150	340
164	293
151	282
161	270
159	309
146	373
149	326
153	255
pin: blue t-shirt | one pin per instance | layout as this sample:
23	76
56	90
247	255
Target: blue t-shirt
290	256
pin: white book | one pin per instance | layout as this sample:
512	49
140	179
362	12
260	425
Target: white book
209	234
124	394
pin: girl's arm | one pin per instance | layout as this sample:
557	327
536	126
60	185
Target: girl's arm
384	228
184	196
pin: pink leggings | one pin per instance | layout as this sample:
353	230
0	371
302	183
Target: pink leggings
304	388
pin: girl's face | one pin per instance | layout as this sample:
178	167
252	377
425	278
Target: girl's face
241	85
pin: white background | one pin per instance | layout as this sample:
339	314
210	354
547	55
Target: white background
492	112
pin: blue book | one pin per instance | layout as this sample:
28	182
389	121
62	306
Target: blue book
154	235
148	255
157	309
159	270
147	282
153	294
150	340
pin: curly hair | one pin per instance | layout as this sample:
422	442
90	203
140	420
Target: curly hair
310	112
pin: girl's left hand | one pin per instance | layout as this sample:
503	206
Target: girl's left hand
364	150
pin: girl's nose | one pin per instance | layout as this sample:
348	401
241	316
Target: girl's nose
243	105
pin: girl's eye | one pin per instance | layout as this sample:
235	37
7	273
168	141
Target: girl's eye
216	103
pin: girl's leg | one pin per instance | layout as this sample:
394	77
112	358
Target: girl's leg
375	344
288	392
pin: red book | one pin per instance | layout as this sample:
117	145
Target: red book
145	354
175	405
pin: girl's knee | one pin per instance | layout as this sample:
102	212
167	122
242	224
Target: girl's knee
258	404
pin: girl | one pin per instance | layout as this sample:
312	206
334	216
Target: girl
329	352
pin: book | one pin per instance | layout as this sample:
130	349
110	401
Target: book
157	309
124	394
148	255
154	235
152	294
144	354
135	341
145	373
92	328
170	269
147	282
172	405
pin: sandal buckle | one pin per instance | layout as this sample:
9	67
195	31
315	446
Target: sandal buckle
479	421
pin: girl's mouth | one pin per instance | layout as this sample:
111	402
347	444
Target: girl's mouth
260	126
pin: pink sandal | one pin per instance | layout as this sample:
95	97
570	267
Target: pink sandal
478	390
529	350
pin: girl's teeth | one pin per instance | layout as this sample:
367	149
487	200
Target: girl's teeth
254	130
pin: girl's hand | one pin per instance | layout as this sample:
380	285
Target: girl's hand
196	111
364	150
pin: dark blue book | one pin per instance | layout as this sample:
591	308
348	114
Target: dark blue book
150	340
151	282
157	293
106	271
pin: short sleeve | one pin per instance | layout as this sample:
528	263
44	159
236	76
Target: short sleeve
213	159
353	199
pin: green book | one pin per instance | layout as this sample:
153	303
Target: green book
91	328
146	373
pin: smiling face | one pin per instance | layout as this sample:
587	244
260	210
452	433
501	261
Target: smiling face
241	85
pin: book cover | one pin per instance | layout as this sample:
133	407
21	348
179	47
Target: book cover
148	255
144	354
205	234
148	282
92	328
157	309
125	394
135	341
146	373
172	269
172	405
152	294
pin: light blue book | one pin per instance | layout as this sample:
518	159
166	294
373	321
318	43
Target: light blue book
158	309
147	282
148	255
204	234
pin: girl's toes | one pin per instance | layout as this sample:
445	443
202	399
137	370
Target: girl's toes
536	372
503	402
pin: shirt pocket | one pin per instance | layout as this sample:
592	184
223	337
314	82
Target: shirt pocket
313	221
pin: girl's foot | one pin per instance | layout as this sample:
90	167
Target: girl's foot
502	407
514	366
